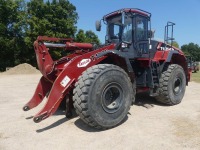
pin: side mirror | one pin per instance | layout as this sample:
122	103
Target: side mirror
98	25
151	33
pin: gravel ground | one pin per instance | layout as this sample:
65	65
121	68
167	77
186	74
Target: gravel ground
149	125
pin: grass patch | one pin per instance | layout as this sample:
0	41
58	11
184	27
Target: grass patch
196	77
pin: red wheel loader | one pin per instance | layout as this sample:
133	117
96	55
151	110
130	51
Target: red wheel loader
100	82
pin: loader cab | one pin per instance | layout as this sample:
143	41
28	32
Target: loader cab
129	29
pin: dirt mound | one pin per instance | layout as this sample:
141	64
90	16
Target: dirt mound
22	69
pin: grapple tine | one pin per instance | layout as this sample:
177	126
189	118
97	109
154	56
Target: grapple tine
54	99
42	89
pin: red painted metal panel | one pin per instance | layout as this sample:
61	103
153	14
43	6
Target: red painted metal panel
62	73
75	46
42	89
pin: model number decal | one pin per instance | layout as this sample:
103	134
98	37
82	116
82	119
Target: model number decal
166	48
83	63
65	81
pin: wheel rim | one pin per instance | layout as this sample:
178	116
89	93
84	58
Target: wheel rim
112	97
177	88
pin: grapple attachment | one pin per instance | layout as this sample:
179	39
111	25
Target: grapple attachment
59	76
54	83
41	91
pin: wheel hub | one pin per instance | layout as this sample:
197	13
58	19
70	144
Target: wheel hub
177	86
112	97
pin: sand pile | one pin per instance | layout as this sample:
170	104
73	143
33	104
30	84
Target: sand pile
22	69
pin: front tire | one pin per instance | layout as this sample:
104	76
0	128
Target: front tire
172	85
103	95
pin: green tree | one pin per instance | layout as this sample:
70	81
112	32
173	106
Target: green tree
11	32
21	22
175	44
56	18
53	18
80	36
87	37
192	50
91	37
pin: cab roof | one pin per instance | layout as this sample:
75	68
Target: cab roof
133	10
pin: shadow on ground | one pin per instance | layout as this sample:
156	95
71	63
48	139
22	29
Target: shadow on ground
83	126
59	122
53	125
142	99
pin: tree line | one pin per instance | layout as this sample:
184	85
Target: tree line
191	50
21	22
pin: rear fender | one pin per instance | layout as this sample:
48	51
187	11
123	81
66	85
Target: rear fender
173	57
181	60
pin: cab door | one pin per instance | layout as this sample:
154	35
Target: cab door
141	40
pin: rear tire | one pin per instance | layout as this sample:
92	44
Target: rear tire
172	85
103	95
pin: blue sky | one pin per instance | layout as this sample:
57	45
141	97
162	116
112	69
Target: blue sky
185	13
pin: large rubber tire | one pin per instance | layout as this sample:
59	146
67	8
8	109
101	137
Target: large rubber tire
172	85
103	95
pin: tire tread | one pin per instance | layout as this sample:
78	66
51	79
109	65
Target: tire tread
163	86
81	91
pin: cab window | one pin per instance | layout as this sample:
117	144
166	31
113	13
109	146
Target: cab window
141	28
114	31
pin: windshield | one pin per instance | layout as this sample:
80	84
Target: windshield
127	30
116	31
